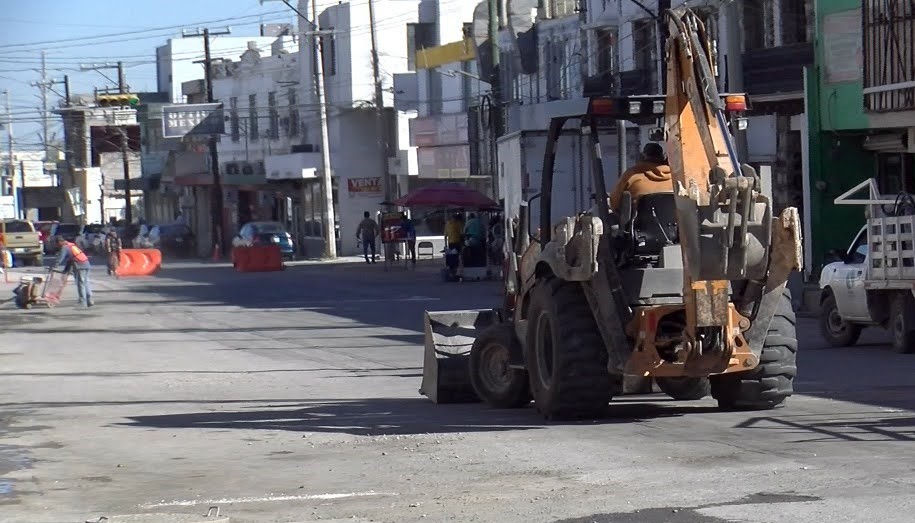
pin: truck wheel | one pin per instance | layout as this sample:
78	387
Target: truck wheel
685	388
497	384
837	331
772	381
565	353
901	324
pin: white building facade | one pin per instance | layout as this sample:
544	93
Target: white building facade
175	61
361	163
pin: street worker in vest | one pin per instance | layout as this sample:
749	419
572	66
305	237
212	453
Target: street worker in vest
76	261
651	175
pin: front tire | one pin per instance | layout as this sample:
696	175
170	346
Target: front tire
565	353
685	388
837	331
772	381
494	382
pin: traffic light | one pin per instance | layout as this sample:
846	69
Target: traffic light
118	100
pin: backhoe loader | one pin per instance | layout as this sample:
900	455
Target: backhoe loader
686	287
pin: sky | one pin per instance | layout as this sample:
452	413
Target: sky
85	32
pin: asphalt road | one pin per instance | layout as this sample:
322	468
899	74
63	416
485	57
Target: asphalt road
292	396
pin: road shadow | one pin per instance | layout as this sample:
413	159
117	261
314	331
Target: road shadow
396	416
848	427
868	373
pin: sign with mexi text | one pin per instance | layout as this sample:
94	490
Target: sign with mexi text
192	119
364	185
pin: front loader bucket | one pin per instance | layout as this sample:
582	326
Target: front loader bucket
446	369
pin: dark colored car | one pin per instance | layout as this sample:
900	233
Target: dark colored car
266	233
174	240
67	231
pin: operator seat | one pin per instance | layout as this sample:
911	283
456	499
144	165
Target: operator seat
654	224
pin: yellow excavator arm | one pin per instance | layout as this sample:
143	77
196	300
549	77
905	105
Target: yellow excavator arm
727	233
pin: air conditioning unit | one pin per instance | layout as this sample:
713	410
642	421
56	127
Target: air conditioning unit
232	168
304	148
247	169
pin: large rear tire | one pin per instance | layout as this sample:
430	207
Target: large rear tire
494	382
837	331
772	381
685	388
901	323
565	353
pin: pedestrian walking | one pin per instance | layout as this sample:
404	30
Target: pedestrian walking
410	235
113	251
367	232
75	260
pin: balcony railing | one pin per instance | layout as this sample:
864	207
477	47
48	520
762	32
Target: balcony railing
776	69
889	55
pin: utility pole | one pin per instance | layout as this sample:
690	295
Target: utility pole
495	85
381	127
217	205
584	54
330	217
122	84
45	118
618	89
379	106
125	160
46	84
10	161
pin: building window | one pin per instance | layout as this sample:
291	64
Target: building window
794	22
605	51
419	36
293	129
758	24
435	91
562	8
643	45
274	116
253	133
553	70
234	128
329	53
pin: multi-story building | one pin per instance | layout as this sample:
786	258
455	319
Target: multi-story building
268	163
94	160
362	161
442	85
178	61
28	184
861	100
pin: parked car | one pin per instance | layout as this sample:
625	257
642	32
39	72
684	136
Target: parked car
44	232
172	240
266	233
91	238
67	231
22	240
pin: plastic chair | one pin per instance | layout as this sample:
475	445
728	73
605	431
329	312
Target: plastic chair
425	248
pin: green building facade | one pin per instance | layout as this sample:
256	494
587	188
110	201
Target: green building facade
855	133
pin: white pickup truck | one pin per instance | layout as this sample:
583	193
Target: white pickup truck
873	282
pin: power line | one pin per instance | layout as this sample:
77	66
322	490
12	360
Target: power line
132	33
